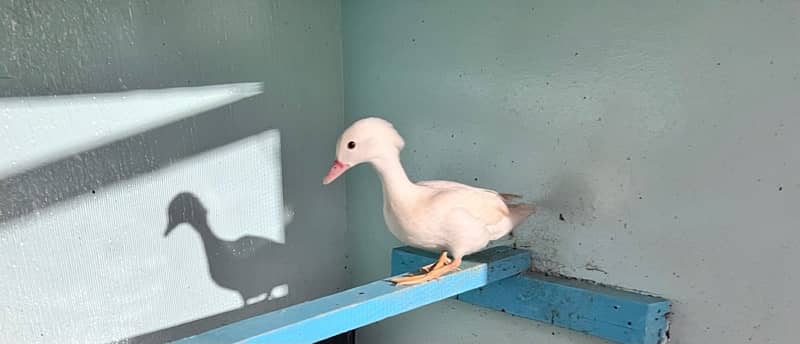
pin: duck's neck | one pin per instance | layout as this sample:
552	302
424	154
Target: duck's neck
210	241
396	184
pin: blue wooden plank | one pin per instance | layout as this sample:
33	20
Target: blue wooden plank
617	315
328	316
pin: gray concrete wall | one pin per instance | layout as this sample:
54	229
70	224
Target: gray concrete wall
664	133
82	236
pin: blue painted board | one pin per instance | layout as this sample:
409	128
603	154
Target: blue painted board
328	316
617	315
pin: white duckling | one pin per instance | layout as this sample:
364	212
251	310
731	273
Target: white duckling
433	215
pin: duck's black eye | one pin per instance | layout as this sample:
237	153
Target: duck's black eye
351	145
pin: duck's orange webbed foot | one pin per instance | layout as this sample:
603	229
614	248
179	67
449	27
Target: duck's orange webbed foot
443	260
441	267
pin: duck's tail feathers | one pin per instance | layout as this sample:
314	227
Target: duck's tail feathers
508	197
520	212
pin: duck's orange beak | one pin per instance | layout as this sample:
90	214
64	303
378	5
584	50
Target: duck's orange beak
336	170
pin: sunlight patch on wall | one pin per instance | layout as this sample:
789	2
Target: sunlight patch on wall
36	130
98	267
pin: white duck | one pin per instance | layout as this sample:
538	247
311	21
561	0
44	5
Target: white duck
433	215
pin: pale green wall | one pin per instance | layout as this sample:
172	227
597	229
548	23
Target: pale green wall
664	132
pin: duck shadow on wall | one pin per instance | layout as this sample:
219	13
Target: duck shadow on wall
252	266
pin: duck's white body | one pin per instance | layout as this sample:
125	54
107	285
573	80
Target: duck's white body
448	216
433	215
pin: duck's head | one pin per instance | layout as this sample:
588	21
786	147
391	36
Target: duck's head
367	140
185	208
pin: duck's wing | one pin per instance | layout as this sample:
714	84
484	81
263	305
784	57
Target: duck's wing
442	184
486	205
508	198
